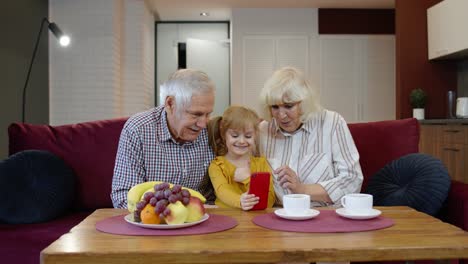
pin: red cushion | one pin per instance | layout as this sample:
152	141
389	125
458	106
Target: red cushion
378	143
88	148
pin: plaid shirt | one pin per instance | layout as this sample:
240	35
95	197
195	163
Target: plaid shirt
147	152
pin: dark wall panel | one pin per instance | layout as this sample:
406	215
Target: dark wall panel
356	21
413	69
20	20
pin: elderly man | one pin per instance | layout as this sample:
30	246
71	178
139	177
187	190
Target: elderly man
169	142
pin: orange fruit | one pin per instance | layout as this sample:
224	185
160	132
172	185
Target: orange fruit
149	216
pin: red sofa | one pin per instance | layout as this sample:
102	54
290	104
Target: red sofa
90	148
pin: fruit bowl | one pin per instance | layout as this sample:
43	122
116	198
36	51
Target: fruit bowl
129	219
165	203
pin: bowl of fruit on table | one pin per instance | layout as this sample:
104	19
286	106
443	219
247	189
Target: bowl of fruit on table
161	205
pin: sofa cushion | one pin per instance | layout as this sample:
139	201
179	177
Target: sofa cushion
416	180
89	148
35	186
456	210
22	243
380	142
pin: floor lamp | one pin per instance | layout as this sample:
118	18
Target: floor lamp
64	40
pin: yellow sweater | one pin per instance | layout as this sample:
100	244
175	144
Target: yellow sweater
227	190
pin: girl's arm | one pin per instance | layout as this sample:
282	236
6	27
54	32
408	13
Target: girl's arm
224	191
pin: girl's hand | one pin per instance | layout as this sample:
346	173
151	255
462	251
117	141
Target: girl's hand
248	201
288	179
241	174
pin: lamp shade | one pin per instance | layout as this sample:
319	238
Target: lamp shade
64	40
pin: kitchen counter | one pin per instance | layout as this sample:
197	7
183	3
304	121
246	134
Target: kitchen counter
453	121
447	140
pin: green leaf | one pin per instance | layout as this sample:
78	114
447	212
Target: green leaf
418	98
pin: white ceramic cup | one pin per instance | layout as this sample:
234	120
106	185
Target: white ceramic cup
358	203
296	204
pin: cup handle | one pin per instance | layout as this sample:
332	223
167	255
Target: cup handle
343	201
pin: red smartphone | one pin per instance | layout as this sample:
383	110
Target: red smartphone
260	185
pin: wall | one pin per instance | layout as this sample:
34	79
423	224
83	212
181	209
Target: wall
356	21
21	20
354	74
413	68
358	62
108	69
138	58
212	39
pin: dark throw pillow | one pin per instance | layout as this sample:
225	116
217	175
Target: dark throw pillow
416	180
35	186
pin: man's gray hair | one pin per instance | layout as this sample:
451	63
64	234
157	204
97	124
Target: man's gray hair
183	84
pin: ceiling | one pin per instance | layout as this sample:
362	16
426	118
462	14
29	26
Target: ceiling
220	10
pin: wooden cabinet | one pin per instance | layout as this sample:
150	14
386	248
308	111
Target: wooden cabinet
449	143
445	29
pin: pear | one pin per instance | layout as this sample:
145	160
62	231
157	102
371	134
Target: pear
196	210
178	214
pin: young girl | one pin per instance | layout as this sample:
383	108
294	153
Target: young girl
234	142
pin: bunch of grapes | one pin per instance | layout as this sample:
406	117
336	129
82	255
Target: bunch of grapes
161	197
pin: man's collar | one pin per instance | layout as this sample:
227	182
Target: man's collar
166	134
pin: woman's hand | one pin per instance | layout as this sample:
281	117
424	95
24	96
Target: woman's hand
248	201
288	179
241	174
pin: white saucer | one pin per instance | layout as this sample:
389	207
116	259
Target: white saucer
310	214
372	214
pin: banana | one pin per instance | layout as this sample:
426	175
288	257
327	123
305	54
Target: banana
134	194
196	194
137	192
151	189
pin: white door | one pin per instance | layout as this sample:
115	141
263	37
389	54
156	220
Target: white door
262	55
358	76
378	96
212	57
340	76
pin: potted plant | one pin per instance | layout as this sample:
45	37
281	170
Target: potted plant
418	102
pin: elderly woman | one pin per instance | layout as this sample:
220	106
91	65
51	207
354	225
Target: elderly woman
309	148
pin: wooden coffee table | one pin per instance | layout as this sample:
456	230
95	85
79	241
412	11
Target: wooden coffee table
415	236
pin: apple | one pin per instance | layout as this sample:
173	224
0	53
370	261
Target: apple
178	214
196	210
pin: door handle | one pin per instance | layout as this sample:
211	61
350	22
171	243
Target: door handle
452	149
452	131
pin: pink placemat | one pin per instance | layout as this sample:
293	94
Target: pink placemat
327	222
117	225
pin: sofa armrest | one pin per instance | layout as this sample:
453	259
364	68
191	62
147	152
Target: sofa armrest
456	209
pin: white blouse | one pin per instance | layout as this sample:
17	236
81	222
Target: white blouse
322	151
